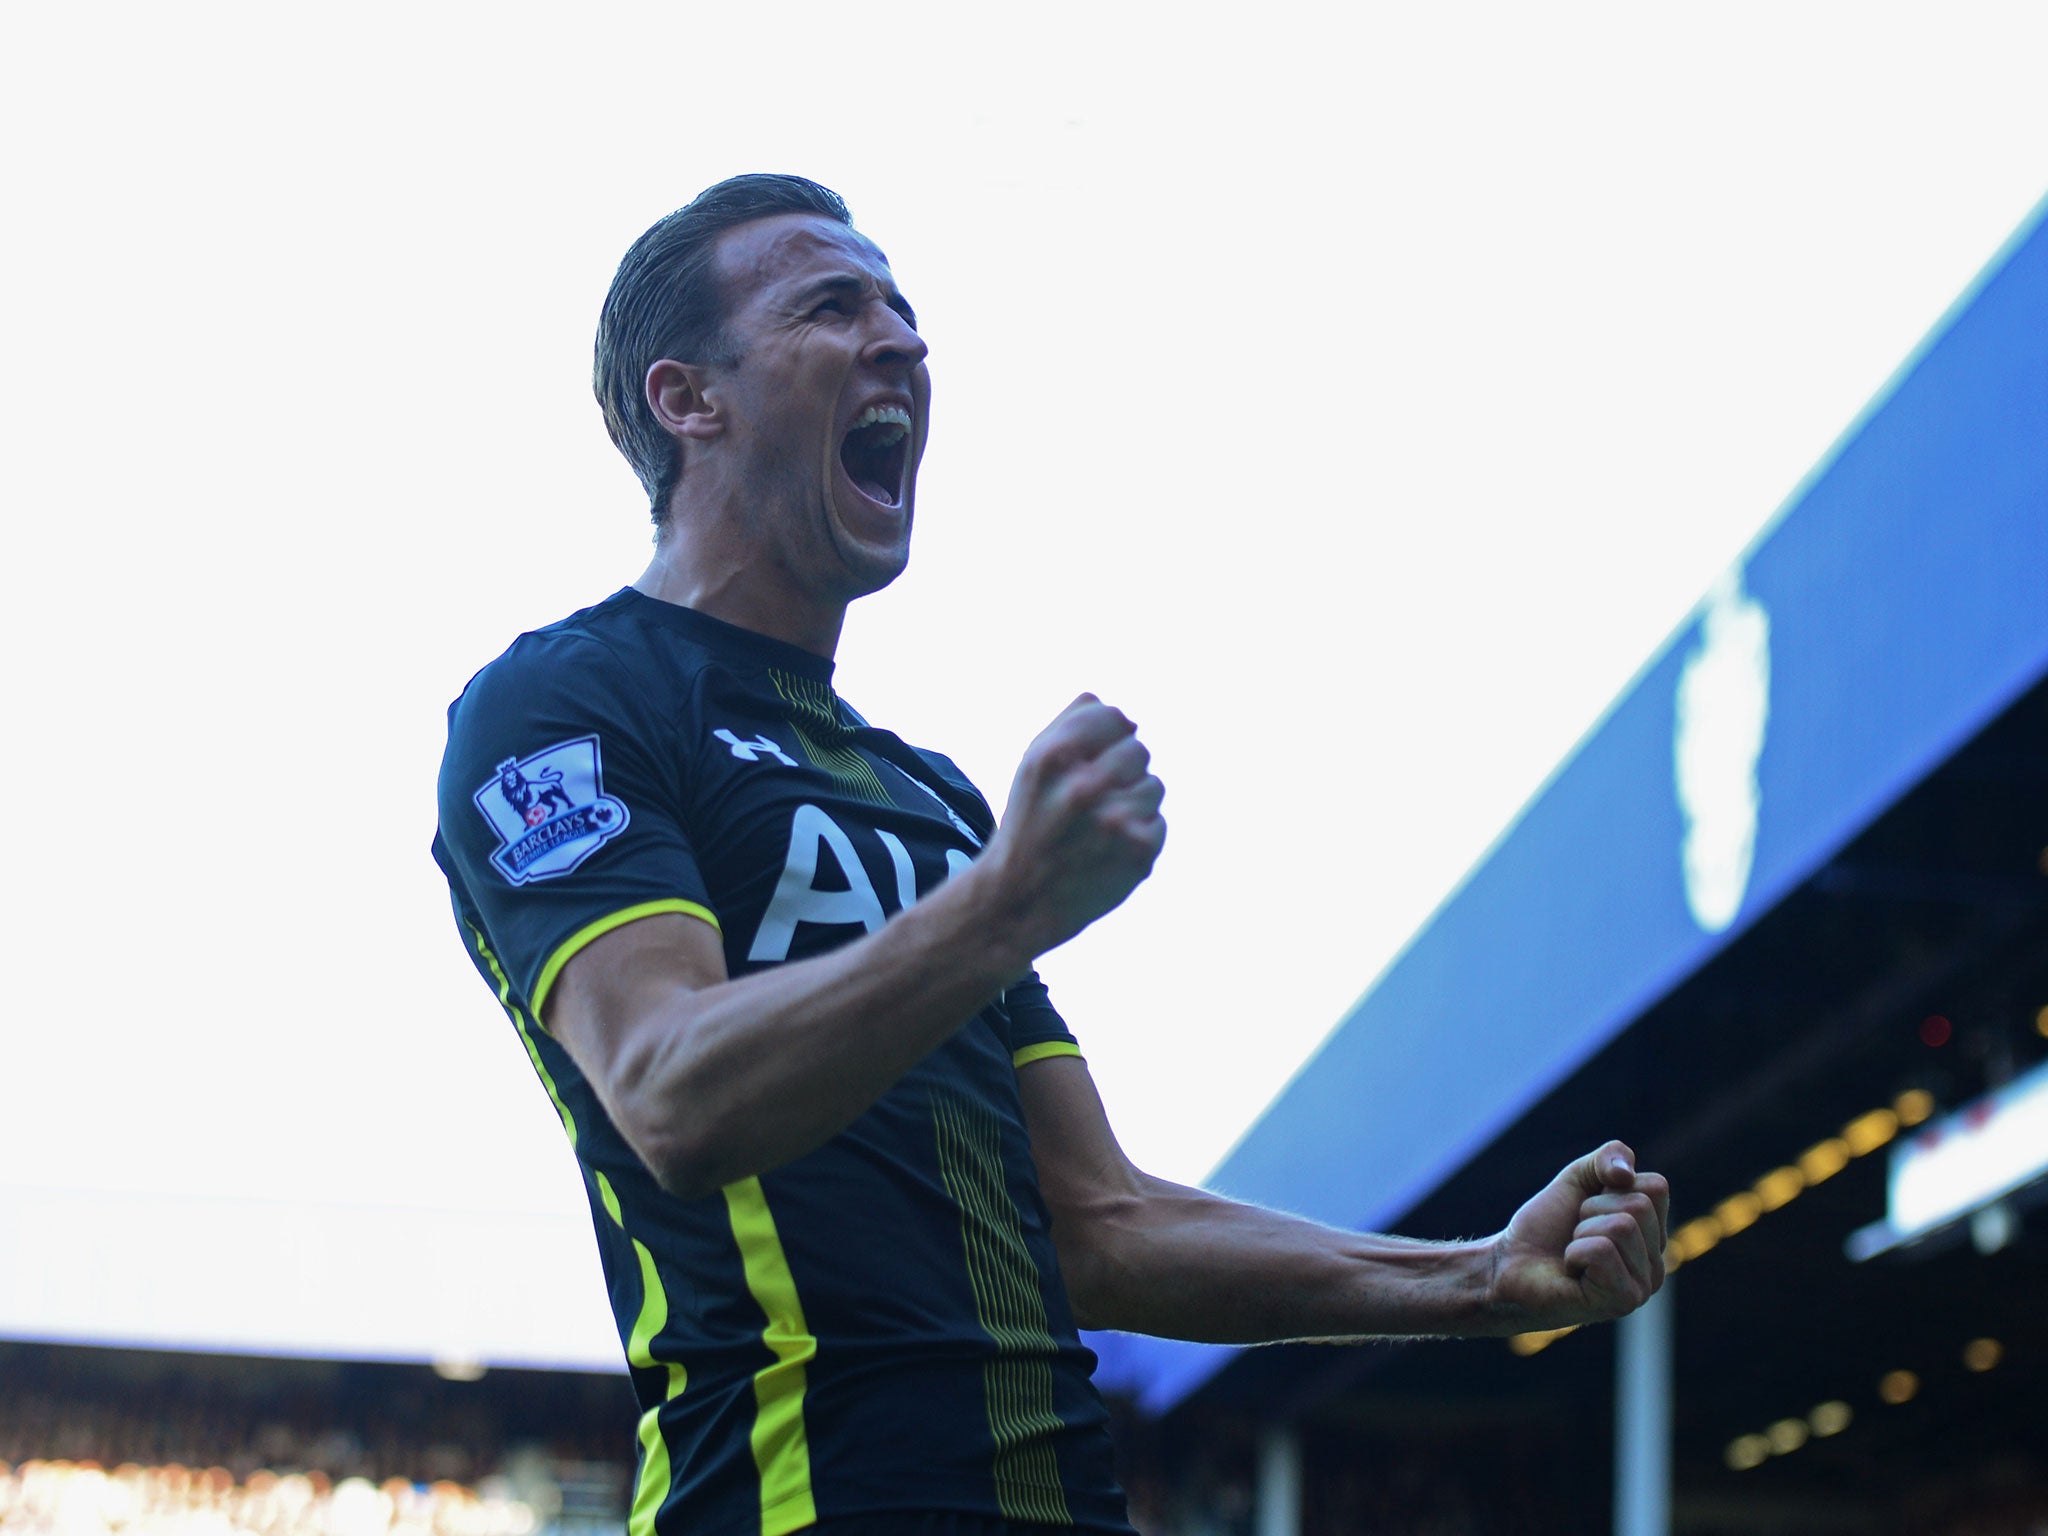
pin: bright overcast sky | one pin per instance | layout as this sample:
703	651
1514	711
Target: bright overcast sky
1358	396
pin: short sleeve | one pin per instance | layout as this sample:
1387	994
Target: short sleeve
561	808
1036	1028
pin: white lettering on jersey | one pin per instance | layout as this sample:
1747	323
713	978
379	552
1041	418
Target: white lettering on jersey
906	875
750	751
797	898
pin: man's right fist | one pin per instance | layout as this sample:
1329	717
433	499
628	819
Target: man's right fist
1082	827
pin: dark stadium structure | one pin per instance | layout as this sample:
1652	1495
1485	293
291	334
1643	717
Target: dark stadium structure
1939	910
1782	914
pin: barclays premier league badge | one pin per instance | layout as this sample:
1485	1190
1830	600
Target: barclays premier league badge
549	810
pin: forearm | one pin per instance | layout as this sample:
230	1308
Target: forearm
1181	1263
712	1079
729	1080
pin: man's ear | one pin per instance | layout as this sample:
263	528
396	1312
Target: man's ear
677	394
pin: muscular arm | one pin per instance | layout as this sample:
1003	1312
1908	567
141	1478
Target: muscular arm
1146	1256
711	1079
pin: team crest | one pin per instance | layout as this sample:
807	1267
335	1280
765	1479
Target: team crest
549	810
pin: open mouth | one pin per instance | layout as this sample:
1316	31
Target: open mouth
876	451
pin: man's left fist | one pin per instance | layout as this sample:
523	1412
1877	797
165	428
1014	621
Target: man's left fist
1587	1248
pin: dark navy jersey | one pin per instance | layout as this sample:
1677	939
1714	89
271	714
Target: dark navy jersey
879	1325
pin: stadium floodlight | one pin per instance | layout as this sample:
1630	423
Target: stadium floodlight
1963	1164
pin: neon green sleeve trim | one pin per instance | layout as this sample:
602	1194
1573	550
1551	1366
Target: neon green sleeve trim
1042	1050
589	932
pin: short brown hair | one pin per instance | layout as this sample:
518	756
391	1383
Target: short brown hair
666	302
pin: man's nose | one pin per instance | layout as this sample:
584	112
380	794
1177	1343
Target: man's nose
895	343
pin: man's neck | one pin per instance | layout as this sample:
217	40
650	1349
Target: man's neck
693	573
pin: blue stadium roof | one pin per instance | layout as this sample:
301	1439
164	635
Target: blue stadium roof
1898	602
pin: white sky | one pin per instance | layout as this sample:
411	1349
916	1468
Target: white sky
1356	396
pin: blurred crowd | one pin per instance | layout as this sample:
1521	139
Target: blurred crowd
1200	1481
66	1498
1405	1499
2014	1514
110	1443
1411	1501
184	1426
1443	1479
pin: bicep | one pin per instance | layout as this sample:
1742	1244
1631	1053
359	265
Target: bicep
615	998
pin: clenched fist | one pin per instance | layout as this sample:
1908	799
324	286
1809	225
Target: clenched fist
1082	827
1587	1248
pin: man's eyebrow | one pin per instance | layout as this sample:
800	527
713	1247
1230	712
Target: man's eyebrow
844	285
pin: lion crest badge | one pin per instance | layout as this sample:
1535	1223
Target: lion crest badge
549	810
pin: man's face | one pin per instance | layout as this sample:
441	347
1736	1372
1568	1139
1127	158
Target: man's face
828	402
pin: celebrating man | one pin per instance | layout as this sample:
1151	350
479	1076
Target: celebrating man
853	1188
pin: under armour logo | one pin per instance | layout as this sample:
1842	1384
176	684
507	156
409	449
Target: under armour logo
750	751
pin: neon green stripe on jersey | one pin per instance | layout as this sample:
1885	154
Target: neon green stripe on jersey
824	736
519	1023
655	1471
655	1476
654	1460
590	932
782	1448
1042	1050
1017	1385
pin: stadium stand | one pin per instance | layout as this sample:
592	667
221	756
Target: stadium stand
1782	922
161	1444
